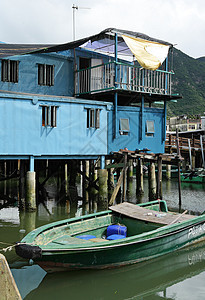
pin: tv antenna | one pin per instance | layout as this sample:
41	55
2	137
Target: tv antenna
76	7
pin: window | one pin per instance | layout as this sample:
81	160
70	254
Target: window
93	118
149	131
45	74
9	70
124	126
49	116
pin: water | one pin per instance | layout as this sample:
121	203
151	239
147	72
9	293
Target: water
179	275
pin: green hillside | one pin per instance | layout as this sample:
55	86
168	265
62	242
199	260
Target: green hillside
188	81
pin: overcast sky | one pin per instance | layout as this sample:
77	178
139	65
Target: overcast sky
181	22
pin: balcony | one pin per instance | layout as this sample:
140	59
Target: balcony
130	78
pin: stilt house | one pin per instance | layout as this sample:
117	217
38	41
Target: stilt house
86	98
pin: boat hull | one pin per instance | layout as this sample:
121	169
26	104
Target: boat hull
122	254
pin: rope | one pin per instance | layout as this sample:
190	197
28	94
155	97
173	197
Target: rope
9	248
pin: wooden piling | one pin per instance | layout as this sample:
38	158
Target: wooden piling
31	191
178	165
124	177
152	181
22	185
103	178
111	180
159	178
168	172
66	178
139	177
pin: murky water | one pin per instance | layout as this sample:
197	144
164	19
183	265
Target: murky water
180	275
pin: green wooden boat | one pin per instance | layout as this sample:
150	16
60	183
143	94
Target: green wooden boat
83	242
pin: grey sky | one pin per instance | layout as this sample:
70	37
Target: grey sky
181	22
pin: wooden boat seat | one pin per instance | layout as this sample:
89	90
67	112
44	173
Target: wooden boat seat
141	213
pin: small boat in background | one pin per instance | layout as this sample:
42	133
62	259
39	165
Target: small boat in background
125	234
194	176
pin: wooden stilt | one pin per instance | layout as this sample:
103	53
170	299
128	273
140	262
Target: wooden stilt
168	172
139	178
124	178
178	165
159	178
22	186
152	181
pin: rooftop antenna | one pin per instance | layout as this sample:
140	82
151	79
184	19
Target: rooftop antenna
76	7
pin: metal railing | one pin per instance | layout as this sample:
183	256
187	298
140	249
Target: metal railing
129	77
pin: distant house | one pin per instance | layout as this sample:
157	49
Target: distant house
86	98
183	123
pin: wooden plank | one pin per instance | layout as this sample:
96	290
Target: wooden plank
114	166
144	214
8	287
114	194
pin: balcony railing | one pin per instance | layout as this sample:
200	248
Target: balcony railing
129	77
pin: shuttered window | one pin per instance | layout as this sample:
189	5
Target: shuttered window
93	118
9	70
49	115
45	74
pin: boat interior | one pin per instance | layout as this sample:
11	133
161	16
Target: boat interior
122	221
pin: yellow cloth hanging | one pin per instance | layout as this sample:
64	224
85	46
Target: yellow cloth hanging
150	55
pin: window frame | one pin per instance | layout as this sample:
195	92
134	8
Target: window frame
93	118
46	74
150	131
124	130
9	70
49	115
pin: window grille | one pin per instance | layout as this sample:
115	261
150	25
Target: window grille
49	114
9	70
93	118
45	74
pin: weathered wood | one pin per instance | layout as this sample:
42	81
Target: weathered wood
159	178
147	215
178	165
8	288
152	181
139	178
179	217
124	178
114	194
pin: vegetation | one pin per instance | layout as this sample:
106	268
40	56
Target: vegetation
188	81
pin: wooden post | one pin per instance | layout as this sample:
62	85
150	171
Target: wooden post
152	181
22	187
129	177
111	182
30	191
124	178
159	178
103	177
178	165
31	187
139	178
66	178
5	174
168	172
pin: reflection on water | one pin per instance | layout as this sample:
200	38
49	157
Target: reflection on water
155	277
179	275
